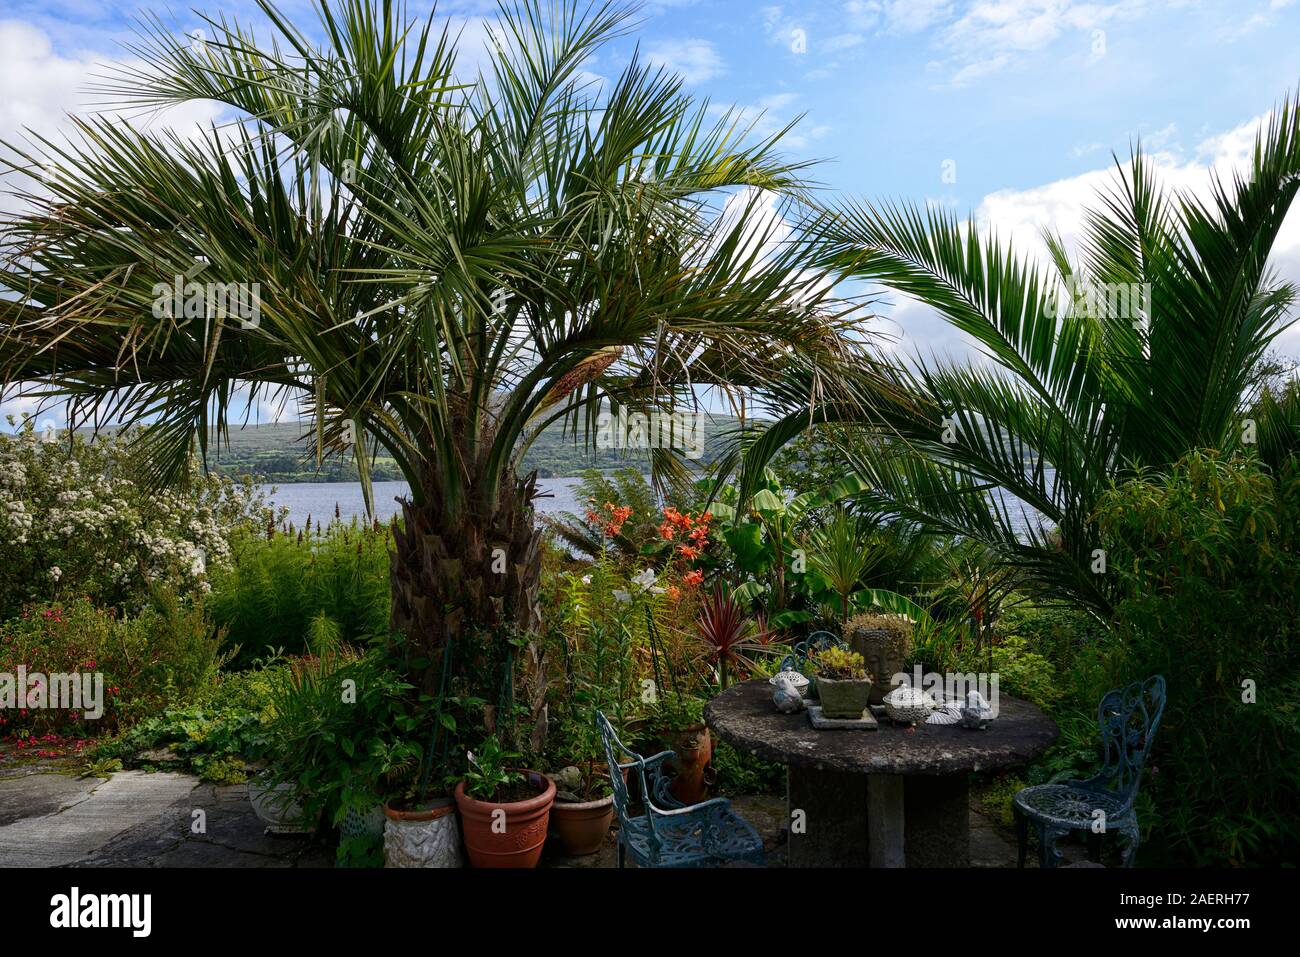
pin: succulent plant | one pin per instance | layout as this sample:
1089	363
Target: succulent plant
839	664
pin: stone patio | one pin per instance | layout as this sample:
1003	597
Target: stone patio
140	819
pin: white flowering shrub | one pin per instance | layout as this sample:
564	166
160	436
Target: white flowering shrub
77	521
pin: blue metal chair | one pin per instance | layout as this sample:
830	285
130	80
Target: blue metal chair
1128	719
797	660
669	833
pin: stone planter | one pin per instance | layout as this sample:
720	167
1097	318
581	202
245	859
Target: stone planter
582	825
277	808
509	834
427	837
846	698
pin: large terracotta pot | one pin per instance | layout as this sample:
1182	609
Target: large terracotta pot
693	764
582	826
514	839
428	837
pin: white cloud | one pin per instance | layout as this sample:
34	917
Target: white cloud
697	61
1020	215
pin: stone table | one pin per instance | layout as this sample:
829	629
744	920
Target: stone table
894	797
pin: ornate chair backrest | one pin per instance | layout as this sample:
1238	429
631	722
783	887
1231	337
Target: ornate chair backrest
613	749
797	660
1128	718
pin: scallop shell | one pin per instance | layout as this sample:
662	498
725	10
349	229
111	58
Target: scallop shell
946	714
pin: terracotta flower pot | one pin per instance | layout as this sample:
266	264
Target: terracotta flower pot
693	764
582	825
512	839
427	837
844	699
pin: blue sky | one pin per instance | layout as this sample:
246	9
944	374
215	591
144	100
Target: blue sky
1005	109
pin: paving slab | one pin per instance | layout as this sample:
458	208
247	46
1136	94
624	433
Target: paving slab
86	819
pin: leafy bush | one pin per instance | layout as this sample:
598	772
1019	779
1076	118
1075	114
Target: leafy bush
741	773
215	736
78	519
161	657
342	730
297	593
1209	559
1024	673
995	800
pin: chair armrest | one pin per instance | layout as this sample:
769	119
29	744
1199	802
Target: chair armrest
674	812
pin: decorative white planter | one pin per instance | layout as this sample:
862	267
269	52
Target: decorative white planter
277	808
428	838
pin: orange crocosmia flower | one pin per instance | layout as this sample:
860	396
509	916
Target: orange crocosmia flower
666	532
692	579
699	533
688	552
673	592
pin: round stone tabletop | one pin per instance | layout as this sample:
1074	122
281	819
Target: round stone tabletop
745	717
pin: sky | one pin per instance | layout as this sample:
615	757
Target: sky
1010	111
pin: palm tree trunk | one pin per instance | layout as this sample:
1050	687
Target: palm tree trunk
470	579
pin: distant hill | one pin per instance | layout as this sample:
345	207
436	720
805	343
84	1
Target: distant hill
279	454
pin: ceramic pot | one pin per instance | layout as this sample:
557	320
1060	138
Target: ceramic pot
427	837
509	834
582	826
693	764
277	808
844	699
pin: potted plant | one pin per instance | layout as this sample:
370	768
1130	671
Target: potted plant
883	642
842	682
504	811
583	809
420	828
679	720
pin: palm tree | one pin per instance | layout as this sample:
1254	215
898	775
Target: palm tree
1077	390
445	265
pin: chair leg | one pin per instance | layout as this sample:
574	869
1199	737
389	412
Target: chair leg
1131	839
1094	846
1022	836
1048	855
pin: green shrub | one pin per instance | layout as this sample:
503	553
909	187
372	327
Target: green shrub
78	518
345	734
995	800
1209	559
295	593
161	657
215	736
741	773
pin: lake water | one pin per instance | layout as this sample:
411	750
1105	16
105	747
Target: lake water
318	499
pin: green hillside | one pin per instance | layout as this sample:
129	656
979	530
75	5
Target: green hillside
281	454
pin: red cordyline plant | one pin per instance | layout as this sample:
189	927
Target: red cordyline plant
728	633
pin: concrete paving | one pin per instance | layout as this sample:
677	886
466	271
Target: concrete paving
139	819
168	819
